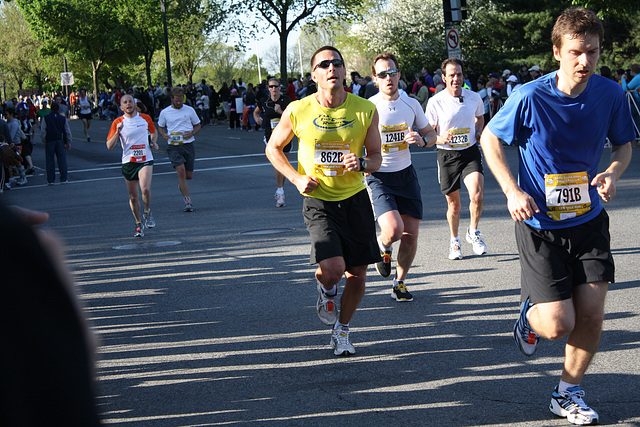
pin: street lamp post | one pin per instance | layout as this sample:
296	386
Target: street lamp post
166	41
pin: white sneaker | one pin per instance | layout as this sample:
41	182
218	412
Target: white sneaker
327	307
479	248
279	200
340	342
454	250
571	406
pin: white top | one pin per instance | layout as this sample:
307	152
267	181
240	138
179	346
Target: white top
396	120
134	138
178	121
447	113
85	105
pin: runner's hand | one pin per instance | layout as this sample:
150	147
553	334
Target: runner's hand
521	205
351	162
413	138
606	186
306	184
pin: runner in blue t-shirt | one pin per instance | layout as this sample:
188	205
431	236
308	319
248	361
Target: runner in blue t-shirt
559	123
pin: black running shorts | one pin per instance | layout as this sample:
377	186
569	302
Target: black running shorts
130	170
182	154
553	262
454	165
396	191
345	229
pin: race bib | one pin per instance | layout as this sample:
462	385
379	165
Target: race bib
393	138
328	157
175	138
274	123
567	195
138	154
459	138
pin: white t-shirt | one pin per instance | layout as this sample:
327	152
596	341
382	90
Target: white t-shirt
134	137
396	120
447	113
177	122
85	105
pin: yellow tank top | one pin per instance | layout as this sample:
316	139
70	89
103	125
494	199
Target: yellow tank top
324	136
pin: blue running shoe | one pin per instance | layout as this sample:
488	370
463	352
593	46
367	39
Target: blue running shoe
526	339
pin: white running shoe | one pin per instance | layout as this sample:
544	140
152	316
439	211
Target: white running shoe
454	250
279	200
479	248
570	405
149	222
340	342
327	307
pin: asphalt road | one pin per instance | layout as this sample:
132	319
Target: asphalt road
210	318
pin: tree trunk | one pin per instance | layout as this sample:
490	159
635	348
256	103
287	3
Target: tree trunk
95	66
284	34
147	67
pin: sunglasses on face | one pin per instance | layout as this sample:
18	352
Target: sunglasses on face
327	62
273	86
391	73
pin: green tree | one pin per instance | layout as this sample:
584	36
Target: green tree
284	15
19	50
143	21
82	29
191	22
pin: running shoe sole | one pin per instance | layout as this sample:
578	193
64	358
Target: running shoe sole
565	407
384	267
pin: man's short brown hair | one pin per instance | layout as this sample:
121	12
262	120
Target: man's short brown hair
578	22
450	61
322	49
177	91
384	56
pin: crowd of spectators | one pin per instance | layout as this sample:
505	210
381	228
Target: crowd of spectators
235	102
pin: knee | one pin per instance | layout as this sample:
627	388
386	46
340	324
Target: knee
410	239
133	198
591	320
454	208
182	174
188	174
476	196
329	276
559	329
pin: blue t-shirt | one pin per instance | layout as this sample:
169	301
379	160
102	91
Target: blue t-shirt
563	138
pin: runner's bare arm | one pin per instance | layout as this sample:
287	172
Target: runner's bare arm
111	142
280	137
256	115
154	139
372	144
606	181
430	133
520	204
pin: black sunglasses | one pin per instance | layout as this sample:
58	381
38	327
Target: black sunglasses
327	62
274	86
391	73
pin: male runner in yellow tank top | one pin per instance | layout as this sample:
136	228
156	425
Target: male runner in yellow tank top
333	129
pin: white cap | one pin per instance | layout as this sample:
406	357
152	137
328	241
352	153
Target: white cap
506	72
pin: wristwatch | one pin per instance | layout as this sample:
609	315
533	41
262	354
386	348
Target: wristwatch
426	140
363	164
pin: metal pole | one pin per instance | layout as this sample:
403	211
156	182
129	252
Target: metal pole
66	88
258	57
166	42
300	56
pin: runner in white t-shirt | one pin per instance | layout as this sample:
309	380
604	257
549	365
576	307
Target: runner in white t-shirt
133	130
178	124
395	191
457	114
85	103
